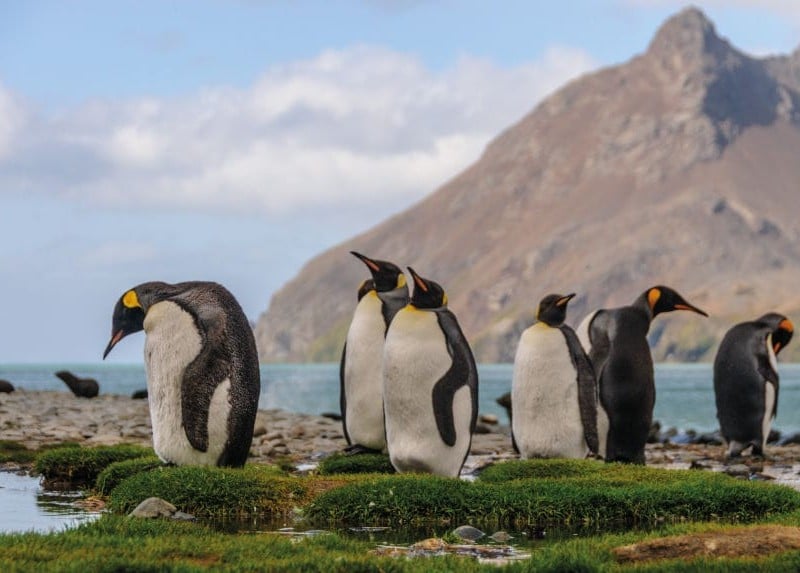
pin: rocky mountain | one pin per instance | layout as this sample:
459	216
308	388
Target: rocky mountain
678	167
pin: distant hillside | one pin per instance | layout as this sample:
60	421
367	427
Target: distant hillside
679	167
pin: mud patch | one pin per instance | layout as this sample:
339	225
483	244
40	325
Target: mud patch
745	542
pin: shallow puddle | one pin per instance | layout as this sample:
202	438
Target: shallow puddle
29	507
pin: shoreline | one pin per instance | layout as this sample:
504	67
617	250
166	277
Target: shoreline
43	417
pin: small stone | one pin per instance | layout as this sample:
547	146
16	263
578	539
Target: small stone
501	537
431	544
737	470
468	532
154	507
182	516
259	430
488	419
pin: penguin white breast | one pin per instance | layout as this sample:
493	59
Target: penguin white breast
172	343
415	359
363	375
544	394
583	332
769	395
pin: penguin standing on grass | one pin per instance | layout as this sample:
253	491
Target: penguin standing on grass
430	385
616	342
203	380
553	388
361	369
746	381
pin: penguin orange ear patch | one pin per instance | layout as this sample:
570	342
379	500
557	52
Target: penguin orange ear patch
653	296
131	300
786	325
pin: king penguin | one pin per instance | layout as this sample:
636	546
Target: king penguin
746	381
201	363
553	388
430	385
616	342
361	369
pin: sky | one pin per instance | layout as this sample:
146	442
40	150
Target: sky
233	141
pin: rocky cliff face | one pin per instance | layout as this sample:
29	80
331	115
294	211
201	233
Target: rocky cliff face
679	167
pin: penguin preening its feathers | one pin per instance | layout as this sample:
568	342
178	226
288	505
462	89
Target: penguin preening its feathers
203	377
746	380
554	390
616	342
360	369
430	385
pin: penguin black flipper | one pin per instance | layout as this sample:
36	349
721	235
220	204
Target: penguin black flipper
342	396
215	364
462	372
587	387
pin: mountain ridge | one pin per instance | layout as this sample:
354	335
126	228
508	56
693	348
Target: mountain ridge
637	174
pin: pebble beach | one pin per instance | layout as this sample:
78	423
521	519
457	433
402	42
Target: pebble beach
37	418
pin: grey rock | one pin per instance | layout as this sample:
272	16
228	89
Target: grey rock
154	507
501	537
737	470
182	516
468	533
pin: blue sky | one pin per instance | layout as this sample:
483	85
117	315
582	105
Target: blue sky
233	141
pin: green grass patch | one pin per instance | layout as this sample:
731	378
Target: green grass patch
213	491
526	493
17	452
80	466
356	464
115	473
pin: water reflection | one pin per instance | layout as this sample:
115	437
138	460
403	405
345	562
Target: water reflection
28	507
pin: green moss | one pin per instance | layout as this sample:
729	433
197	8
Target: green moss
15	452
203	491
596	493
356	464
79	466
115	473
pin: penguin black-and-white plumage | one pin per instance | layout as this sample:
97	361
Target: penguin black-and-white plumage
553	388
430	385
203	379
616	342
361	368
746	381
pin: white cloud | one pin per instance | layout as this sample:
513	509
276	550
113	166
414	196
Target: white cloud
354	125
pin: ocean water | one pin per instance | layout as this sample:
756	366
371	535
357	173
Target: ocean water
684	392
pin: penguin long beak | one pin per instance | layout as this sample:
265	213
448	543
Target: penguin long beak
688	306
373	266
418	280
113	342
565	299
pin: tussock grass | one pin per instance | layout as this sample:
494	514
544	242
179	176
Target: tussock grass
587	492
206	491
115	473
80	466
355	464
11	451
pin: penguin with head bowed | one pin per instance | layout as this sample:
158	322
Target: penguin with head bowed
746	381
361	368
203	380
553	388
616	342
430	385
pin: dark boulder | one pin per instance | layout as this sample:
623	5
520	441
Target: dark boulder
6	386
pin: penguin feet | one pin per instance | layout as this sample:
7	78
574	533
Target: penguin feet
356	449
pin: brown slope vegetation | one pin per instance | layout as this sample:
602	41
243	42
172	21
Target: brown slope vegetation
679	167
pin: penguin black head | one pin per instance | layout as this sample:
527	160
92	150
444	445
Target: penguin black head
386	276
553	309
427	293
782	330
128	318
664	299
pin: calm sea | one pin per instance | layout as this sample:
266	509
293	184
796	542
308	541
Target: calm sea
684	392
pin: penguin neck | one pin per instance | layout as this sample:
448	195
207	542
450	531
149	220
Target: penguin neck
642	305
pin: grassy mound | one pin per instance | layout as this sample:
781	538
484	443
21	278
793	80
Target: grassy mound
586	492
356	464
252	490
80	466
115	473
17	452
